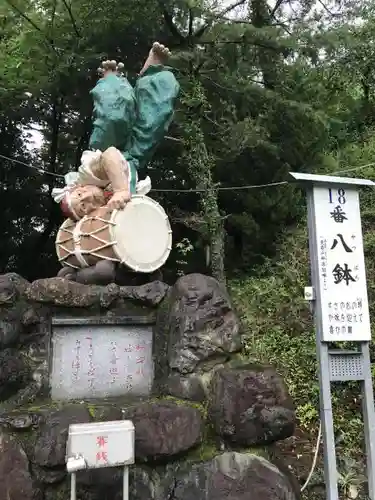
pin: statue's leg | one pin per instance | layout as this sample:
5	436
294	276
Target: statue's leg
156	94
114	109
102	273
68	273
158	54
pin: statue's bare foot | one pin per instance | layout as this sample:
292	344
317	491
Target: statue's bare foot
110	67
102	273
158	54
67	273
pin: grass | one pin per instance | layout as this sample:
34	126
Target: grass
278	329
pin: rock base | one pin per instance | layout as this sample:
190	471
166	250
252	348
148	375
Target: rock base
204	434
177	456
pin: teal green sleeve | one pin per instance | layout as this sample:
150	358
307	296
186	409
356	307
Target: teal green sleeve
114	113
156	93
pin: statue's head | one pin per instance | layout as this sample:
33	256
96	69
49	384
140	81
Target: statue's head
82	200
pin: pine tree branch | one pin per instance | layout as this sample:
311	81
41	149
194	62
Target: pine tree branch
230	8
276	7
32	23
326	8
242	40
220	15
72	19
53	14
200	31
24	16
191	20
170	24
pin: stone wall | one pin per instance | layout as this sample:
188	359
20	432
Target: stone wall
206	432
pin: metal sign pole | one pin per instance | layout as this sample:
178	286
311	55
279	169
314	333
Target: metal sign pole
326	414
369	418
125	494
340	303
73	486
100	444
125	488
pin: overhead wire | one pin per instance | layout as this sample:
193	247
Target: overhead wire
33	167
195	190
223	188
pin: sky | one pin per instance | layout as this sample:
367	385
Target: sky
35	140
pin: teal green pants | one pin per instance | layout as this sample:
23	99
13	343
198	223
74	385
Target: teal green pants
134	120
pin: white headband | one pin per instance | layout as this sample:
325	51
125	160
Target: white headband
71	179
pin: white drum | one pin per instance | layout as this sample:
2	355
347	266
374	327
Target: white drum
140	237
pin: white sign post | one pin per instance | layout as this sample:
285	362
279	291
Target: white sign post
98	445
339	297
342	280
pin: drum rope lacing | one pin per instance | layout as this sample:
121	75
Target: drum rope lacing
77	244
104	238
78	252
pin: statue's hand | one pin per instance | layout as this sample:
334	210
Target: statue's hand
119	200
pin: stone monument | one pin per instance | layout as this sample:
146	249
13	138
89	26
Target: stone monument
79	348
206	428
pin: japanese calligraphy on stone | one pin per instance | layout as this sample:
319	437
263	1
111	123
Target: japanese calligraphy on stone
342	277
101	361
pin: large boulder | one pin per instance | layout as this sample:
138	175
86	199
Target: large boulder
164	430
15	312
12	288
14	374
61	292
16	482
150	294
50	445
196	330
234	476
250	405
10	331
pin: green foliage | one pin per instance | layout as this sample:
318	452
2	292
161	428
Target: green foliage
277	322
256	102
278	329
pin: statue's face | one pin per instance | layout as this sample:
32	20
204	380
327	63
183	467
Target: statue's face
86	199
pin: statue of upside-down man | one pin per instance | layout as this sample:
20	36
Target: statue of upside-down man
128	125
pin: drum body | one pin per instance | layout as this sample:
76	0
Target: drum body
139	236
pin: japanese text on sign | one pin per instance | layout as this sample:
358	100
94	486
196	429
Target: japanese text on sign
102	453
102	444
101	362
342	278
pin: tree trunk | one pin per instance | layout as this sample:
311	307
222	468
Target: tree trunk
268	60
217	242
201	164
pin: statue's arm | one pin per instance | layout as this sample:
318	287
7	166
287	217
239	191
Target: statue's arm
115	168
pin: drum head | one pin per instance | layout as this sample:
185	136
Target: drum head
141	234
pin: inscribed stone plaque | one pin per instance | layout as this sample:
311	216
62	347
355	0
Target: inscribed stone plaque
101	361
